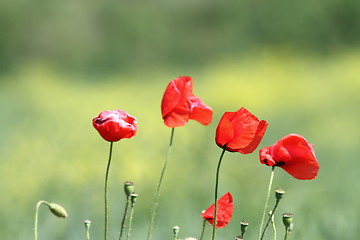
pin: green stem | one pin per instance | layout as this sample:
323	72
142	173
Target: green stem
273	226
124	217
270	217
37	216
106	193
216	191
157	193
130	221
267	200
286	233
203	230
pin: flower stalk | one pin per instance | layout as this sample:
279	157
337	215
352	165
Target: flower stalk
158	188
216	191
106	193
266	203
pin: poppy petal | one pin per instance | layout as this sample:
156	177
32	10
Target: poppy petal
200	111
225	209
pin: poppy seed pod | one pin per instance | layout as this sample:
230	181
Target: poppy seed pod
58	210
279	193
128	188
87	224
176	230
287	219
133	198
244	225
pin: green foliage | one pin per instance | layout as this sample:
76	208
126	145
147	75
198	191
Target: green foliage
115	36
49	149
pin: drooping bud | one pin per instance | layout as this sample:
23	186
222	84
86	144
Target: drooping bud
279	193
133	198
58	210
243	224
287	219
128	188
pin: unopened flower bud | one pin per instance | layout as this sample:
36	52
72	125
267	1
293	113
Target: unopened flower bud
243	225
58	210
279	193
287	219
128	188
240	237
176	230
133	198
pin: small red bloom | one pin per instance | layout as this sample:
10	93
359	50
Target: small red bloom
293	154
240	131
225	209
115	125
179	104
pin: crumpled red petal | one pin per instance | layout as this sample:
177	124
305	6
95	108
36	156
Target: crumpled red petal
179	104
225	209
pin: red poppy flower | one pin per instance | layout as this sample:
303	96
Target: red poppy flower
179	104
115	125
293	154
240	131
225	209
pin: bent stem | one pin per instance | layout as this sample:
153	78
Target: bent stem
106	193
157	193
266	202
203	230
216	191
37	216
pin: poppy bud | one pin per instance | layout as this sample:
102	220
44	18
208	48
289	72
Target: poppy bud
58	210
128	188
133	198
279	193
176	230
244	226
287	219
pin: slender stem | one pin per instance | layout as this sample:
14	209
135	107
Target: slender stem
273	226
130	221
270	217
216	192
203	230
37	216
157	193
267	200
124	217
106	193
286	233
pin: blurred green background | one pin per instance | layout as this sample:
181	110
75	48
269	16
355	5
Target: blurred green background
295	64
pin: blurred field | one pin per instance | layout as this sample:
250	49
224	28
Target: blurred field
50	151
